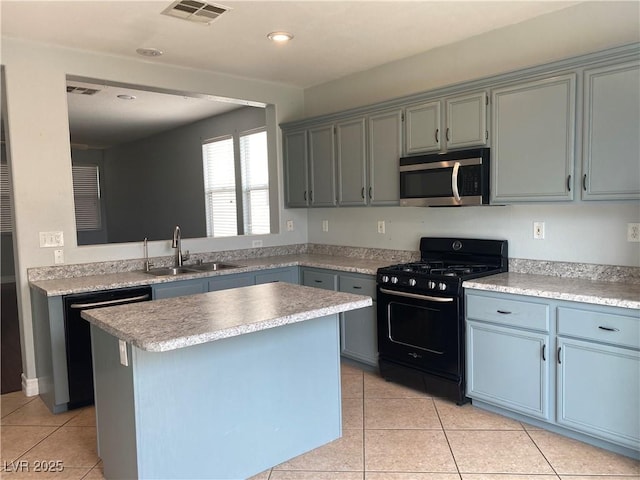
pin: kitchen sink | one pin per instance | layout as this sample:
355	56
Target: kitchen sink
212	266
169	271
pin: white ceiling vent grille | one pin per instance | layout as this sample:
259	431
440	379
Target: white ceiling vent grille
81	90
194	11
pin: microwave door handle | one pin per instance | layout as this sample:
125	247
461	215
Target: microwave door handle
454	181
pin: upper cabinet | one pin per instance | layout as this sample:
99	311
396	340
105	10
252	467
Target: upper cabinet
322	166
351	146
465	124
533	140
385	150
295	168
611	133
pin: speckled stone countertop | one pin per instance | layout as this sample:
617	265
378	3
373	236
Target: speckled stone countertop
91	283
180	322
616	294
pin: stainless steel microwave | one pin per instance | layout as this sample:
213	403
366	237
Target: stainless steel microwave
447	179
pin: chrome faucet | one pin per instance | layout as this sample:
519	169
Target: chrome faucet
177	244
147	263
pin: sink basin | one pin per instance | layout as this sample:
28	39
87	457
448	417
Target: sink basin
169	271
212	266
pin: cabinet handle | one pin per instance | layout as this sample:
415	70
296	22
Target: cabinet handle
362	193
311	196
448	135
544	354
504	312
370	193
559	360
437	135
357	287
318	281
609	329
305	195
584	182
569	183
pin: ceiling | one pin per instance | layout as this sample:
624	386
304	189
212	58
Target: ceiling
332	39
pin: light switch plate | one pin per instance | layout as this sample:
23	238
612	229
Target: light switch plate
51	239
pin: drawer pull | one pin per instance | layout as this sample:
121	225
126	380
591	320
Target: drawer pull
318	281
609	329
504	312
357	287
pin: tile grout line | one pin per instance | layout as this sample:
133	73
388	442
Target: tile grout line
541	452
444	431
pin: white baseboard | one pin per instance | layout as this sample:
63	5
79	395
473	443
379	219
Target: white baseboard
29	386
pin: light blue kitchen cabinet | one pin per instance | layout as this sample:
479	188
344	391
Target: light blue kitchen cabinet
351	145
465	123
322	166
385	141
358	328
289	275
611	138
319	278
179	288
295	155
236	280
533	141
598	358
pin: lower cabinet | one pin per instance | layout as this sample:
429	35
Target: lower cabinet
358	328
225	282
581	375
508	367
289	275
179	288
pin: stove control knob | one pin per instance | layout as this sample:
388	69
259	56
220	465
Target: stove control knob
394	280
412	282
442	286
431	284
385	278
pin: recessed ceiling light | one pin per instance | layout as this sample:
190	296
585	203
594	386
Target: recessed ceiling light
149	52
280	37
126	97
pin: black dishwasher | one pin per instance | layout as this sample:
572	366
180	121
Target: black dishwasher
78	336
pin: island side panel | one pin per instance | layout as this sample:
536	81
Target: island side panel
115	412
232	408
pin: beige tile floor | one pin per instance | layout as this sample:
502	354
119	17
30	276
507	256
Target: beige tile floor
389	433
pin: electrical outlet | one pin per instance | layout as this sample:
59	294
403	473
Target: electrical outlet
633	232
381	226
124	357
538	230
325	225
58	256
256	243
289	225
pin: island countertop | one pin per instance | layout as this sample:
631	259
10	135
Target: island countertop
616	294
179	322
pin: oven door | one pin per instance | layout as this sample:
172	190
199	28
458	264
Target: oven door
421	331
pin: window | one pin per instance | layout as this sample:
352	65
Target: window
86	196
5	200
236	185
255	182
220	187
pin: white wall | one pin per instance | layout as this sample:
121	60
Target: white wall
577	231
39	152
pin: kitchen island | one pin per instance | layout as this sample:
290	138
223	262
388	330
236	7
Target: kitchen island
221	385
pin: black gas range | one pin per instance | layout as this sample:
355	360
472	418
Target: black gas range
421	312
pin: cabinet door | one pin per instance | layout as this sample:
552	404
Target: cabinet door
466	121
385	150
508	367
422	128
533	141
611	158
289	275
599	390
323	166
178	289
295	165
319	279
359	335
352	158
224	282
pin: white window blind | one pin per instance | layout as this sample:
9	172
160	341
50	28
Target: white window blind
255	182
86	196
220	187
5	200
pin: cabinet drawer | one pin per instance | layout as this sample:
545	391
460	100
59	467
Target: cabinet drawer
600	326
358	285
505	311
312	278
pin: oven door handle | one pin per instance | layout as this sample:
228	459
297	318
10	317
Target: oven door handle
416	296
454	181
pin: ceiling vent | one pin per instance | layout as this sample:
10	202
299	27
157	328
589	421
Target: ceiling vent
81	90
194	11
